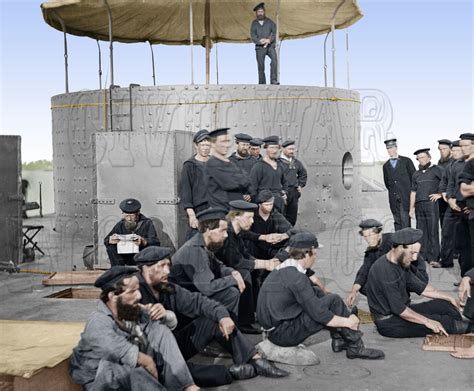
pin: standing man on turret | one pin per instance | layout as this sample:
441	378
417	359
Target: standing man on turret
263	34
397	175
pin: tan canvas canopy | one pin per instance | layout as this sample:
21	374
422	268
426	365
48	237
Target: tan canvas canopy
167	21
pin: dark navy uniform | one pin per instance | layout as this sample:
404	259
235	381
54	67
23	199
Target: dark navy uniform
397	174
388	294
245	164
467	176
265	30
144	228
296	176
424	183
265	177
225	182
443	206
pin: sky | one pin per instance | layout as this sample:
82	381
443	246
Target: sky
412	62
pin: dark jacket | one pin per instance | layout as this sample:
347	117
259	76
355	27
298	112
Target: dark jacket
257	32
294	171
145	229
398	180
245	164
193	190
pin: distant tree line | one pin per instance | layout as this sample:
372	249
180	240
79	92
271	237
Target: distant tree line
45	165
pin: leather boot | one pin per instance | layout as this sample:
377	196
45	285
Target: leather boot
338	343
356	348
266	368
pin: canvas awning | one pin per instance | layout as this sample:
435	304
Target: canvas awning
167	22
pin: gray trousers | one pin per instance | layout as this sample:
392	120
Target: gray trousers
269	51
229	298
174	372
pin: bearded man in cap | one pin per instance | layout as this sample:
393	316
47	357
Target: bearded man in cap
133	222
121	348
255	148
263	35
270	230
424	197
193	181
268	174
458	204
397	175
296	177
241	157
200	321
225	181
290	309
234	253
389	283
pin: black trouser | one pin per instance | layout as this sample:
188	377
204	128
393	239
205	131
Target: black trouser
229	298
194	337
464	242
437	309
269	51
443	207
427	219
292	332
246	314
117	259
447	238
400	212
291	212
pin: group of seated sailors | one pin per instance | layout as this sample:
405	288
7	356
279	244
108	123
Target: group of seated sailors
245	269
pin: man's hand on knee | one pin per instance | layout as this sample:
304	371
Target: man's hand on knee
147	362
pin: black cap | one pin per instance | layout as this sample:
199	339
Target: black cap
422	150
370	223
114	275
259	6
455	143
302	240
256	142
271	140
287	143
151	255
130	205
390	143
243	206
467	136
264	196
407	236
445	141
218	132
200	135
211	214
242	138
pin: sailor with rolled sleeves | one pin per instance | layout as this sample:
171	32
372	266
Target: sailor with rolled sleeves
241	157
193	190
397	175
291	309
424	197
133	222
296	177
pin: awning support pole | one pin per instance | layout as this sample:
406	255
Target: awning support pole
191	38
348	64
217	65
153	63
111	43
66	65
207	26
100	65
325	61
333	31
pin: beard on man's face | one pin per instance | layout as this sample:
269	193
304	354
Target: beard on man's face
401	262
130	225
244	152
163	287
129	312
214	246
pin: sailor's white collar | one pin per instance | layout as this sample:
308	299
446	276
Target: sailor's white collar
290	262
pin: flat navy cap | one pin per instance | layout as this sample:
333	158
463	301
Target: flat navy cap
264	196
130	205
114	275
422	150
444	141
370	223
151	255
287	143
271	140
259	6
200	135
455	143
256	142
407	236
390	143
467	136
218	132
242	205
303	240
211	214
242	138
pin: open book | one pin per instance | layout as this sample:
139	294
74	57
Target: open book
126	244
